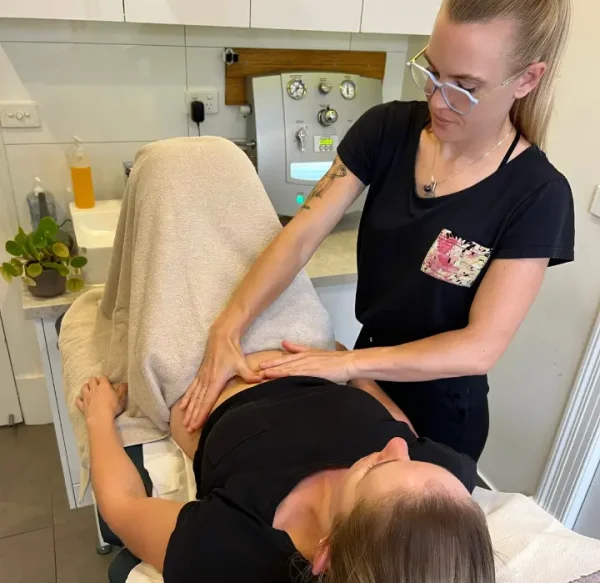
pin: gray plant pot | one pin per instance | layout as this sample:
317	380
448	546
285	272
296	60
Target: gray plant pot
50	283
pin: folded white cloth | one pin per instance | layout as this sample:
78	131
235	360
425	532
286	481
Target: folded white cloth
533	547
194	218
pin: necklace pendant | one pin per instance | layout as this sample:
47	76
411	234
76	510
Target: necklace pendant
430	189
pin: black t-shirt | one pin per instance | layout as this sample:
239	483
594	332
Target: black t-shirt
421	261
254	450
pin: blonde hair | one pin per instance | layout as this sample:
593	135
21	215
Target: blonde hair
412	539
543	29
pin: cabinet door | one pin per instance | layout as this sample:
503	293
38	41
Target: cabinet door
110	10
400	16
202	12
335	15
10	410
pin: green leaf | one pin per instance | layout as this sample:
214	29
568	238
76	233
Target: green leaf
78	262
47	226
75	284
7	276
18	266
21	238
34	269
30	282
62	269
13	248
60	250
39	240
31	249
10	269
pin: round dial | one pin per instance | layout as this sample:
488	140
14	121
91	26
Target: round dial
296	89
348	89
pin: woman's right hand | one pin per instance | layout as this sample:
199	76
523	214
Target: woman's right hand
223	360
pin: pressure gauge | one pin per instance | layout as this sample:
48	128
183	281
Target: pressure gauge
348	89
296	89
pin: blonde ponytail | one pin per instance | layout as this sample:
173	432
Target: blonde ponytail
543	29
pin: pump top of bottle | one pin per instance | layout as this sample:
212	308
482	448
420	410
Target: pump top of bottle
37	186
78	151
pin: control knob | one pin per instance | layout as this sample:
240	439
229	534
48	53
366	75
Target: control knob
327	116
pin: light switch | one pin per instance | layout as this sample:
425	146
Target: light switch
595	209
19	114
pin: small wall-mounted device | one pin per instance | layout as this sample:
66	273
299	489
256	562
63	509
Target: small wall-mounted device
298	120
230	57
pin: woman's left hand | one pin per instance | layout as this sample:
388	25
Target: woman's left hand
98	399
336	366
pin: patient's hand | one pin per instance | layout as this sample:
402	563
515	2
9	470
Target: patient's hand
99	401
223	360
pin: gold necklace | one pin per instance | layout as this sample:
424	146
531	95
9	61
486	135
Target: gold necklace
432	186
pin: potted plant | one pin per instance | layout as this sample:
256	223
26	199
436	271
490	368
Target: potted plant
43	261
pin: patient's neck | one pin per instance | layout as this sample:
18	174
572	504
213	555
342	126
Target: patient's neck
306	513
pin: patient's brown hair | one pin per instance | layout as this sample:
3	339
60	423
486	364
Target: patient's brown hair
429	538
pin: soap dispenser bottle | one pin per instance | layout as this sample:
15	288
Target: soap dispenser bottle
41	203
81	176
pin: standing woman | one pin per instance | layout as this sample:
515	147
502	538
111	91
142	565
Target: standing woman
463	217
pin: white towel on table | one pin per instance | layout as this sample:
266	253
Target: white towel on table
195	216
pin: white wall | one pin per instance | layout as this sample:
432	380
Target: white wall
118	86
531	384
410	92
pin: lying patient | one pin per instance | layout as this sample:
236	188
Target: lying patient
296	476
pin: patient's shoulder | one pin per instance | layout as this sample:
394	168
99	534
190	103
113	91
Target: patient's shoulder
219	540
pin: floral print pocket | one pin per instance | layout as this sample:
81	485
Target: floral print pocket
455	260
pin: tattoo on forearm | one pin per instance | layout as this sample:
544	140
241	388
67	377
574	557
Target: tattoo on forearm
336	171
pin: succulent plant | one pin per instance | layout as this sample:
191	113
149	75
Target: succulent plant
41	250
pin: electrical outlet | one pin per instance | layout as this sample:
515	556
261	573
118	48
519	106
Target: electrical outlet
210	98
19	114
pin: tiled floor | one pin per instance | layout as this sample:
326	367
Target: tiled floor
41	539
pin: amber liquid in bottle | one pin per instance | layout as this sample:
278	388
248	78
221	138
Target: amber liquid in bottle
83	189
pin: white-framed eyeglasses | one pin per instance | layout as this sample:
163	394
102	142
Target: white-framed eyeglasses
458	99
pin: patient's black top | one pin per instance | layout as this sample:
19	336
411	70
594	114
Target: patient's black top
255	448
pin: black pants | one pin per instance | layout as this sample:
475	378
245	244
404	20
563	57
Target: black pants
450	411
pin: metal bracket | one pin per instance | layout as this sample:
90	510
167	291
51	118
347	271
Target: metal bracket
230	57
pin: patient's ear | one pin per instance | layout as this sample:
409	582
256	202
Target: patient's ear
321	561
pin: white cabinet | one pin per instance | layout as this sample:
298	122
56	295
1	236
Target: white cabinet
10	410
202	12
399	16
65	438
109	10
334	15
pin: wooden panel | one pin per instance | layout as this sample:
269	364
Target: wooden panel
269	61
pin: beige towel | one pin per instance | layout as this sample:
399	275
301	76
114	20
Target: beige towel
195	217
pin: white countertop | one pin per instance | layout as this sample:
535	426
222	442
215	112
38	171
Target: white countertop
334	263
